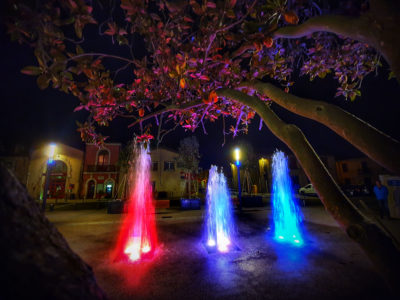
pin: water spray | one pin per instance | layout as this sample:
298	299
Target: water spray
286	214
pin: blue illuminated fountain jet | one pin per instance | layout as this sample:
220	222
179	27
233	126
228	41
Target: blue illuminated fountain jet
287	217
219	221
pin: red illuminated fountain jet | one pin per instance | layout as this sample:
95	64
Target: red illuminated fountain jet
138	238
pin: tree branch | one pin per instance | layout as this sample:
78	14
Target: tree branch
375	144
285	132
378	28
101	54
342	25
214	35
375	243
167	109
238	21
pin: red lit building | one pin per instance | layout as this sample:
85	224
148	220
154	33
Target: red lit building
100	171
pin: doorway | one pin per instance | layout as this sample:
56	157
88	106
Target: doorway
91	185
57	179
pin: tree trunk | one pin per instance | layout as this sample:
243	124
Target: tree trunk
37	261
375	144
375	243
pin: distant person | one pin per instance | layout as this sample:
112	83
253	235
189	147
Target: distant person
381	193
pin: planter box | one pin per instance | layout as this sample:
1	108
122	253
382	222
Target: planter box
115	207
190	204
161	203
252	201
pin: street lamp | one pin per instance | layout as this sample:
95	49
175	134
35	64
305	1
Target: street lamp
237	158
50	160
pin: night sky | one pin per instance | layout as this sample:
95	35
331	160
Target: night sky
30	116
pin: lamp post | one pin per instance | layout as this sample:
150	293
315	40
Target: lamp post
237	158
50	160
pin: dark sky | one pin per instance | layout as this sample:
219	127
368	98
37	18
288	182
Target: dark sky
29	115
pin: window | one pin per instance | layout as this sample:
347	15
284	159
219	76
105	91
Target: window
169	166
100	188
102	158
344	167
155	166
364	166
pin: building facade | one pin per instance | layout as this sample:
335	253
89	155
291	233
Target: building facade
16	159
359	171
64	172
257	178
167	177
100	171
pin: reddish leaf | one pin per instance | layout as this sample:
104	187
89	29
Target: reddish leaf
204	77
182	83
291	17
232	3
212	97
211	5
31	70
112	29
141	112
268	42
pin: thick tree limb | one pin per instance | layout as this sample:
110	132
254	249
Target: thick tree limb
342	25
375	243
375	144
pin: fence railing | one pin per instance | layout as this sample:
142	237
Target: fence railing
101	168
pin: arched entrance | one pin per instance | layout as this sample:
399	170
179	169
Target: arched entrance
91	186
57	178
109	188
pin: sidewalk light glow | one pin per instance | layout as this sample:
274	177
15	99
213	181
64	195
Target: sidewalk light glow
52	150
237	156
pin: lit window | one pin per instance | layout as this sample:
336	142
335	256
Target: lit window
102	158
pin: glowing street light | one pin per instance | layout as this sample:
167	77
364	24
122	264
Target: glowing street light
50	160
52	150
237	158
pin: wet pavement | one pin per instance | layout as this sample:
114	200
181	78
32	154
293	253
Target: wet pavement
328	266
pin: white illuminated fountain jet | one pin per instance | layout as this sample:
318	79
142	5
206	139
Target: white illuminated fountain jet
219	220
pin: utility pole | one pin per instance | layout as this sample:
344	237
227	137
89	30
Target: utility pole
50	160
237	157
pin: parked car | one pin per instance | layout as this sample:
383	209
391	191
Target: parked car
356	190
308	190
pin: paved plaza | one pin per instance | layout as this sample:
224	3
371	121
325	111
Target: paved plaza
328	266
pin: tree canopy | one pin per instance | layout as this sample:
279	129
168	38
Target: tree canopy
180	52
